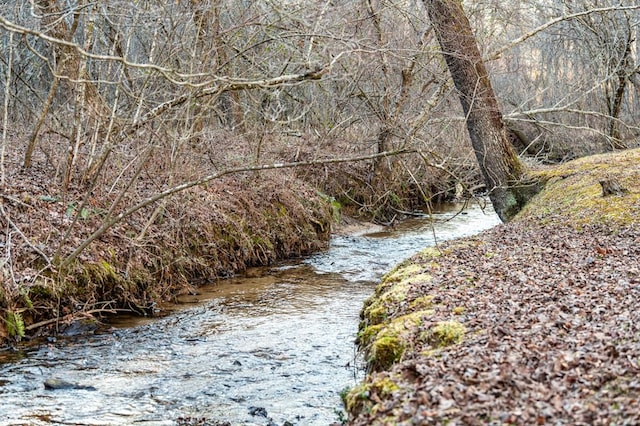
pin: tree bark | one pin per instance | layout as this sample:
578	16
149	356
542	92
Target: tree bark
498	161
615	107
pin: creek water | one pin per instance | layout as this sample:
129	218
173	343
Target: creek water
269	350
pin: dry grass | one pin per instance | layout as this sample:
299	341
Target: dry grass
201	234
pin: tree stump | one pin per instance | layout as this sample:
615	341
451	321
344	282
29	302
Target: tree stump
611	186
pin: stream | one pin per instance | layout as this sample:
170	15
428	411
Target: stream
274	349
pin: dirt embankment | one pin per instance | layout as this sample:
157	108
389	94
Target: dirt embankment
199	235
533	322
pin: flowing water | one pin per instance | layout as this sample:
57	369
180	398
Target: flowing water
271	350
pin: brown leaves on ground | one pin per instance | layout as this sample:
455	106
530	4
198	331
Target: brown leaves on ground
553	333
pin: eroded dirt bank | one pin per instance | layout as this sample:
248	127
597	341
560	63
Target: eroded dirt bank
533	322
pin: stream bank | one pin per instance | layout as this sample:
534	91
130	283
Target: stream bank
532	322
162	250
274	347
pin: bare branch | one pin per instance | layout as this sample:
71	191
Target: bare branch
109	222
24	237
168	73
496	54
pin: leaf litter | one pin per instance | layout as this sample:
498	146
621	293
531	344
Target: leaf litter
553	332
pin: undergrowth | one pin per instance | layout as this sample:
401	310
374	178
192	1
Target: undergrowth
201	235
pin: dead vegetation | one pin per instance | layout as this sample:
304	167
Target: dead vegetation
548	305
198	235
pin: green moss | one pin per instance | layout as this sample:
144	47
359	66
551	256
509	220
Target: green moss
282	210
445	333
378	308
383	335
357	399
573	195
385	351
376	313
393	291
100	273
41	289
431	352
402	271
458	310
384	344
421	303
393	294
425	258
430	252
367	333
361	398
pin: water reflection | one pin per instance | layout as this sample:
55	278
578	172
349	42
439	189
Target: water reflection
280	343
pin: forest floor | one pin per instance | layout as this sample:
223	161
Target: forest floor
532	322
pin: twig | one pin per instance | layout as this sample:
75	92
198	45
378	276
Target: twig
69	317
15	200
496	54
24	237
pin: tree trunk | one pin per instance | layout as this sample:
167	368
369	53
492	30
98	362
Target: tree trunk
499	163
615	107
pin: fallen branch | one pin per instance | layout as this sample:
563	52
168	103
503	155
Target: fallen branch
73	316
111	221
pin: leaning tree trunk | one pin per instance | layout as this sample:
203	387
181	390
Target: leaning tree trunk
498	161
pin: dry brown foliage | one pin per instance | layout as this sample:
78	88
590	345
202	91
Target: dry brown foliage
551	333
200	234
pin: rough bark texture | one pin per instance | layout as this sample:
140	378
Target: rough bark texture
500	166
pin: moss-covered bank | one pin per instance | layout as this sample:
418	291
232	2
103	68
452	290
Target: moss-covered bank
573	192
198	236
426	311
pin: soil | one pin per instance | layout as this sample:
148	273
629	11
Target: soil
352	226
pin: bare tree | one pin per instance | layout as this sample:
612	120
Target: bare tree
563	76
608	39
500	166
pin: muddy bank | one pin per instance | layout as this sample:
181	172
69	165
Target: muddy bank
533	322
163	250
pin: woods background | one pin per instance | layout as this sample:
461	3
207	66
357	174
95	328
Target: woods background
98	90
148	145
